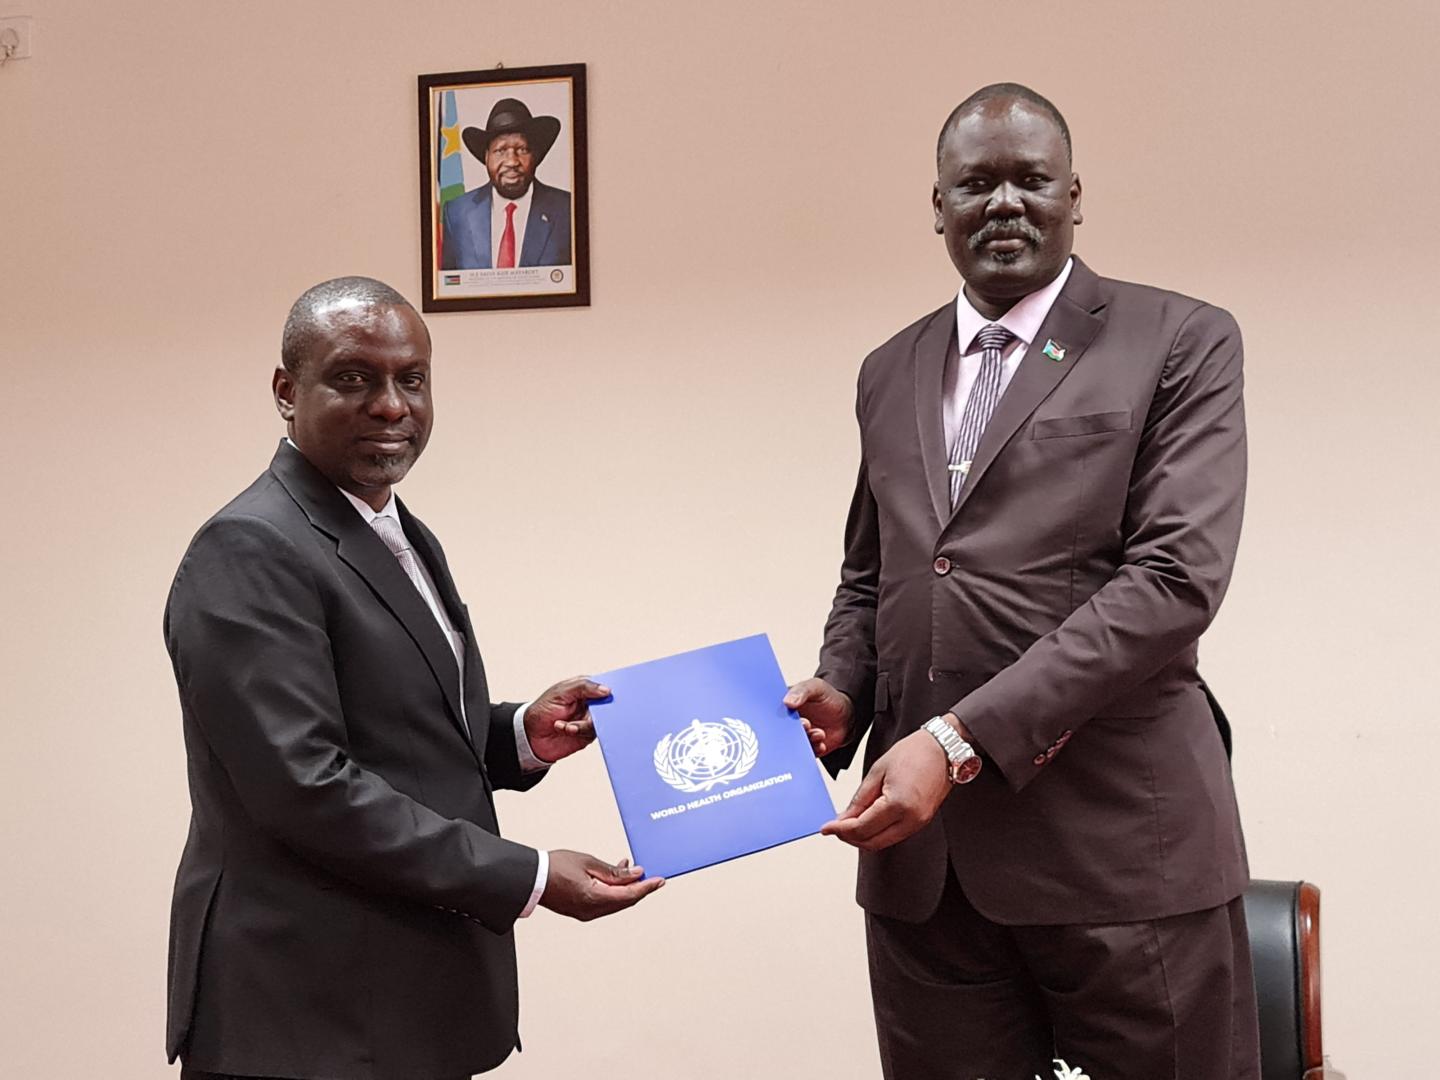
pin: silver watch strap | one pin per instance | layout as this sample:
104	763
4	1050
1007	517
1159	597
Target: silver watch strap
956	748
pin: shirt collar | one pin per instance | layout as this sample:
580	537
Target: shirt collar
1023	320
367	512
522	204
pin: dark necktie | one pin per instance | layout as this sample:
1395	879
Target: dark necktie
984	394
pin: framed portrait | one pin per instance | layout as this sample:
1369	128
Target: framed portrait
504	203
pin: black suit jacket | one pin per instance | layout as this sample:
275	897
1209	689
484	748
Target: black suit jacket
1056	610
344	903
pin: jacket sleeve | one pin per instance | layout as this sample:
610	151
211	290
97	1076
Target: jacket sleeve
502	756
1180	530
847	656
245	627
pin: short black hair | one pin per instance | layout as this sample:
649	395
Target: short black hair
303	324
1005	90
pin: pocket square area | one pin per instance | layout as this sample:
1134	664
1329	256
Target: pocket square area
1057	427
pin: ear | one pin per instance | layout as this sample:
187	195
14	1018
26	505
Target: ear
935	204
1076	216
282	385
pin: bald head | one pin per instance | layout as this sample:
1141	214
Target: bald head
1003	92
309	316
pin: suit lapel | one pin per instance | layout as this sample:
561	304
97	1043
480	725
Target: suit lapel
478	225
429	551
1072	324
537	229
366	554
933	348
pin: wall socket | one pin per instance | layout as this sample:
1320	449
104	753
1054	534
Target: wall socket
20	26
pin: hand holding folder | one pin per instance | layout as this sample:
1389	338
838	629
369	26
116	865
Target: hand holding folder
826	714
584	887
557	724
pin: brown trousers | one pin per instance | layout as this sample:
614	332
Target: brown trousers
962	998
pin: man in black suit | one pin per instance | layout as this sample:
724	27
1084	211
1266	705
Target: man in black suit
344	904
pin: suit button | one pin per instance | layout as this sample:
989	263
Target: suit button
1039	759
930	674
942	566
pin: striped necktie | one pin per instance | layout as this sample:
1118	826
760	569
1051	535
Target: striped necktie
389	530
984	395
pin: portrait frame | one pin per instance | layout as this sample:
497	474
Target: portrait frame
474	255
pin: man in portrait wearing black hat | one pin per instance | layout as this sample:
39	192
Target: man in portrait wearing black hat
515	219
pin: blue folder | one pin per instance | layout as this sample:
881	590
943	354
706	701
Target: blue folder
706	762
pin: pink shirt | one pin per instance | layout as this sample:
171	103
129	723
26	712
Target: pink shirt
1023	320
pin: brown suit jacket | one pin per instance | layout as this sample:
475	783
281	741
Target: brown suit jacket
1056	611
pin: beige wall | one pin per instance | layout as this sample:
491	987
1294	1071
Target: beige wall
671	466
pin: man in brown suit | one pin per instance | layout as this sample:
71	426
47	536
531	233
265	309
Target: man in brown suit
1049	500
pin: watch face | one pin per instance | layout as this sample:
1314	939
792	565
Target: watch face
963	772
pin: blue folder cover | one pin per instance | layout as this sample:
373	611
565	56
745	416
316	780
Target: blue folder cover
706	762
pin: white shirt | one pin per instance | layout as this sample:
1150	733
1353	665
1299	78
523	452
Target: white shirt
497	221
1023	320
528	761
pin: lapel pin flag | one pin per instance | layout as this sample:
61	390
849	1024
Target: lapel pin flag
1053	351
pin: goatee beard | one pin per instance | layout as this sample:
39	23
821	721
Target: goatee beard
387	461
388	468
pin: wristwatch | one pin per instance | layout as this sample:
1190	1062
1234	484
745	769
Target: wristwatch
964	762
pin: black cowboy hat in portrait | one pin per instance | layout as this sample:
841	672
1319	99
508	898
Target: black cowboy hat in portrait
509	115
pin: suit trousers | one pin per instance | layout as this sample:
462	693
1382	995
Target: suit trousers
959	997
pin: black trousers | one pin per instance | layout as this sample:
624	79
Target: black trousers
960	997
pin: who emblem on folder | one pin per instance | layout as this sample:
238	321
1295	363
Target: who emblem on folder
706	762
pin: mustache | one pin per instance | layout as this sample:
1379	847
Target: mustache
1005	229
